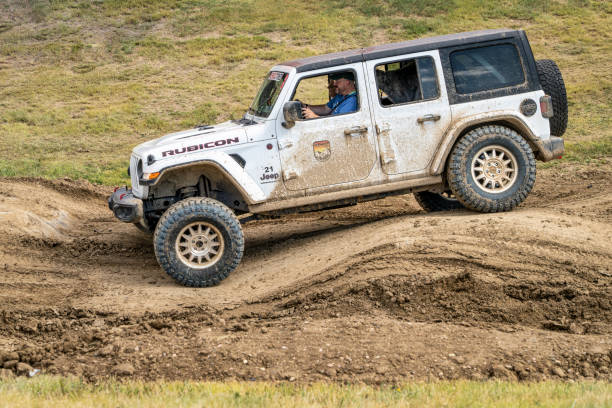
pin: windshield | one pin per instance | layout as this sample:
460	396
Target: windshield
269	91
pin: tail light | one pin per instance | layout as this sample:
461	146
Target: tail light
546	106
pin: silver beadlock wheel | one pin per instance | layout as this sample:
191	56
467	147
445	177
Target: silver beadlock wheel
494	169
199	245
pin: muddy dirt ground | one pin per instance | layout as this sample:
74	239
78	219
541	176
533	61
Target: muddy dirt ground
379	292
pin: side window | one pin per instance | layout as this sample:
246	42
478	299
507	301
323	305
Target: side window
333	93
486	68
313	90
406	81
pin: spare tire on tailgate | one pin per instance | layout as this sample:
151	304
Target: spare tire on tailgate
553	85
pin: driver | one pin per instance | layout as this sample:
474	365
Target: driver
345	100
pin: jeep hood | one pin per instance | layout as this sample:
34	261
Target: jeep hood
202	138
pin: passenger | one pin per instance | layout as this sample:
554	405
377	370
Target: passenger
345	100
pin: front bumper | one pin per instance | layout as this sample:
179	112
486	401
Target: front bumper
125	206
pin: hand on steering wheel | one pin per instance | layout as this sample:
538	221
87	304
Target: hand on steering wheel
307	113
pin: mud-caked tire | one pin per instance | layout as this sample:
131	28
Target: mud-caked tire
198	242
491	169
432	202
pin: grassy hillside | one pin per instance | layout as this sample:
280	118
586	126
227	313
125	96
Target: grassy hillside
83	81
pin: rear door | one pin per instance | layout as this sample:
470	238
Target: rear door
410	109
330	149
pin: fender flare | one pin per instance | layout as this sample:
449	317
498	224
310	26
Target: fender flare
539	146
249	189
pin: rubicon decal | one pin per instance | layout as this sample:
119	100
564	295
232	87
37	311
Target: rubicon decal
201	146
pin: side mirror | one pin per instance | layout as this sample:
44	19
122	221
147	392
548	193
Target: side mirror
292	111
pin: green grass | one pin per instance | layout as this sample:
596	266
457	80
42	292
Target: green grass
82	82
598	149
66	392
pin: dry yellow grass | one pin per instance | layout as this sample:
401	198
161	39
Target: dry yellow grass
64	392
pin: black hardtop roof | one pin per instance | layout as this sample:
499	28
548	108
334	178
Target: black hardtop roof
404	47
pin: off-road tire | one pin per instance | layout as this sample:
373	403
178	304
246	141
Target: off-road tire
198	210
553	85
432	202
461	169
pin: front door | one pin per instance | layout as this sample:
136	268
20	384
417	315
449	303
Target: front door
331	149
411	110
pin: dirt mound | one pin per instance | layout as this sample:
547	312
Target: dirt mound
45	208
378	292
465	299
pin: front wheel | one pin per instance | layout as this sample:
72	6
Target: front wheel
491	169
198	242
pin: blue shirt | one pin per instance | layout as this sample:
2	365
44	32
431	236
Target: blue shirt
343	103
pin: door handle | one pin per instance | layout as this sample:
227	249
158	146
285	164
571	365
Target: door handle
427	118
355	130
290	174
284	144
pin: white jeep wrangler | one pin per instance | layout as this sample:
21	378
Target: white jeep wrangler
459	120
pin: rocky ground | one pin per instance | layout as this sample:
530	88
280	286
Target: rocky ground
379	292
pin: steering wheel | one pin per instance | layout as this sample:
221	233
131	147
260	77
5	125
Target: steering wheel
299	108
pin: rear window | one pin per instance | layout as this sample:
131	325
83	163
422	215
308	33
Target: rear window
486	68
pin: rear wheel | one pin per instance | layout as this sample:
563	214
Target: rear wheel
431	202
198	241
491	169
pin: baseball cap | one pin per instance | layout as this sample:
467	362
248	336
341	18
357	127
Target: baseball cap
345	74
